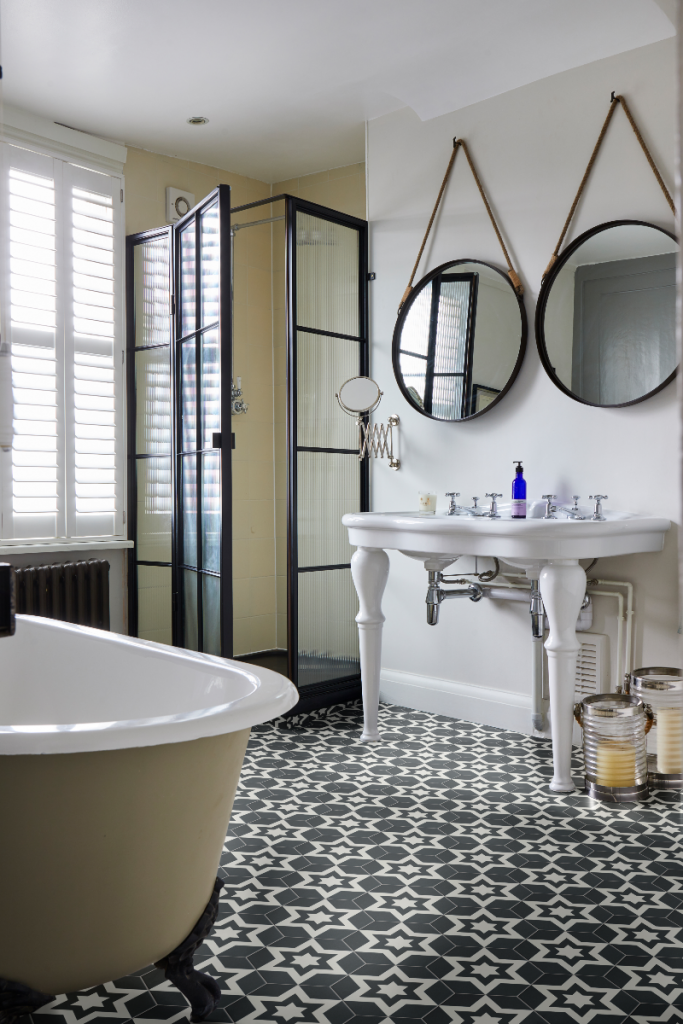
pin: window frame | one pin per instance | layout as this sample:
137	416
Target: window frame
71	167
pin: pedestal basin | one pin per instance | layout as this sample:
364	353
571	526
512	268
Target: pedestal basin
547	549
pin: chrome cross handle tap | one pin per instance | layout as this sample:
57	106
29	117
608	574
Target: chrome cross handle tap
550	509
453	507
493	511
598	499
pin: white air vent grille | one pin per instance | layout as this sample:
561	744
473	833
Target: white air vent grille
592	666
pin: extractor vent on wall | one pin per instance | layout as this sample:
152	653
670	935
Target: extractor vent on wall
592	666
178	203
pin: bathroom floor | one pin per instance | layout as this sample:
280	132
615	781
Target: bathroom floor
430	877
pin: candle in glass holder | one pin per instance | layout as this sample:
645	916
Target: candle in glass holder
616	764
670	741
427	501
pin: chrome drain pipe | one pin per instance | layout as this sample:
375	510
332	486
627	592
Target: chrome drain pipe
436	594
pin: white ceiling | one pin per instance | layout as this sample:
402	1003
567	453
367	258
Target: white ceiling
288	86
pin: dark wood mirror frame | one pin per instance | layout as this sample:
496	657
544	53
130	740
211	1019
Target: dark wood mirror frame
543	301
405	309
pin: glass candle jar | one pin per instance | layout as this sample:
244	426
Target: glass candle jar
614	727
426	501
662	690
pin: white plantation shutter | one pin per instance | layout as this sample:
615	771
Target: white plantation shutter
64	286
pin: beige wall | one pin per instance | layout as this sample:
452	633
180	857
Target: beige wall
259	458
252	466
341	189
147	175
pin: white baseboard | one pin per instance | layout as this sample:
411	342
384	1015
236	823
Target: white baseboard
472	703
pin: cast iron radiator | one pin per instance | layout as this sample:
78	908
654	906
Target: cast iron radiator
72	591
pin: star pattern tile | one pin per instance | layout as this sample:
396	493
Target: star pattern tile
431	877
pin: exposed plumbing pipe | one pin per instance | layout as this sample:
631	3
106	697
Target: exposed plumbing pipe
435	595
530	592
628	653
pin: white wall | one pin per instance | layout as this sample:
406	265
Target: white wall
531	147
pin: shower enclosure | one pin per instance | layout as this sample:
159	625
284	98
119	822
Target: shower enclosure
236	515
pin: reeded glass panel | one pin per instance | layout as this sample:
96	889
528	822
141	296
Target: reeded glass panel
188	411
155	603
190	621
211	386
153	401
211	255
327	257
189	510
188	273
323	364
154	509
152	292
328	486
211	511
328	635
211	610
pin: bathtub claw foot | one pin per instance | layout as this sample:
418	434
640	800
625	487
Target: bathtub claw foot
201	990
17	999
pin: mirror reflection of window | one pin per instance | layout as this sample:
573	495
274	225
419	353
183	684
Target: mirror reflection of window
609	322
436	345
458	344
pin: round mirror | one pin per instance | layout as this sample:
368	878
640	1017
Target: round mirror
359	395
459	340
606	314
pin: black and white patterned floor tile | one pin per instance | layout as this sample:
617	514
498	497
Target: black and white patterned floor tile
429	878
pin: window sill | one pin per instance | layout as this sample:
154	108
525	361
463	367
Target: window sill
47	547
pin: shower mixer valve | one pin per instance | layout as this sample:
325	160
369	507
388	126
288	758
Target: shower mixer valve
237	403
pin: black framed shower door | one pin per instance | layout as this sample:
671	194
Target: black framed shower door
192	339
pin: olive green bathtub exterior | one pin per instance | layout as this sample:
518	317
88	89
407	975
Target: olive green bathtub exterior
108	858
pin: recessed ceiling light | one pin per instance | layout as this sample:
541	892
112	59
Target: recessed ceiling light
197	120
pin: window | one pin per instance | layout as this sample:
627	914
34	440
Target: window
63	340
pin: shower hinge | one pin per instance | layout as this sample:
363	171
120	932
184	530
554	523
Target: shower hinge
121	195
372	275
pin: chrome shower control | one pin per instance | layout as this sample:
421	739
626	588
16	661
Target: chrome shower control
598	499
550	509
493	511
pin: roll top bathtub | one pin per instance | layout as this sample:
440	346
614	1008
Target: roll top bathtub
119	762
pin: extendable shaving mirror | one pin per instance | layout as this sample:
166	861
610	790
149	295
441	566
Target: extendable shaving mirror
359	395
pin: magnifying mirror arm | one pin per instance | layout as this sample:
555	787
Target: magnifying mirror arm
378	440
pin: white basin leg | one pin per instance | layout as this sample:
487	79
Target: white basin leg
370	571
563	585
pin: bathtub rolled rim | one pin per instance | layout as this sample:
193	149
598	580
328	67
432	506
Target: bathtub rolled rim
270	695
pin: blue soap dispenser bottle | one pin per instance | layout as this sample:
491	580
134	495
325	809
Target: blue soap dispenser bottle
519	493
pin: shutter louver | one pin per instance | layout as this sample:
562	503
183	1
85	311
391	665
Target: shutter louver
33	312
93	311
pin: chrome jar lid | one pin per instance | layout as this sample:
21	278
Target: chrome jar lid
611	705
657	678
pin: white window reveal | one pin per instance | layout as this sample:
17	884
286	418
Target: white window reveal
66	339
